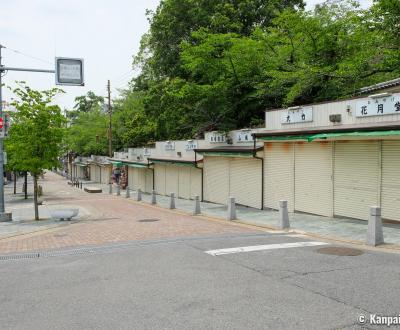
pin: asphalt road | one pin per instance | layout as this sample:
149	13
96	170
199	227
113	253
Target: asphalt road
174	284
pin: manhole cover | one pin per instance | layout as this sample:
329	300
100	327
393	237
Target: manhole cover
149	220
340	251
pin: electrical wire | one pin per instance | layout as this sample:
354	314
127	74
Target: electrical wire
27	55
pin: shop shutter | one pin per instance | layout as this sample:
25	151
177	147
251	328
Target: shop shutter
171	180
313	178
159	176
105	174
184	182
216	179
245	181
390	180
278	174
195	182
356	178
141	178
149	180
131	178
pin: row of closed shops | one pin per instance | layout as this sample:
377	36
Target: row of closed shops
334	178
100	172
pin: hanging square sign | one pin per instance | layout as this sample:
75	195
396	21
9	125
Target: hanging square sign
69	71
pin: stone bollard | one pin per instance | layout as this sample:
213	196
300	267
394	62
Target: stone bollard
127	192
172	201
110	188
118	190
375	231
197	209
139	195
231	209
283	215
153	197
81	184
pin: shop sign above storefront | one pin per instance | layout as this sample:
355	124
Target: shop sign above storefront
295	115
169	145
217	137
191	145
378	106
244	136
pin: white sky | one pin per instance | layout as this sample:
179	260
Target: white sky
105	33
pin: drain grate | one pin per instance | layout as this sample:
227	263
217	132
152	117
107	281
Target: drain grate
149	220
340	251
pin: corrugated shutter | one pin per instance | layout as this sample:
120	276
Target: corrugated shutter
105	174
245	181
390	180
184	182
216	179
278	174
195	182
171	180
149	180
159	178
141	178
131	178
313	178
356	178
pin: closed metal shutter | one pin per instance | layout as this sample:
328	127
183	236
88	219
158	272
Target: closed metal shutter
195	182
216	179
356	178
390	180
93	173
184	182
313	178
105	174
149	180
171	180
141	178
245	181
159	177
131	178
278	174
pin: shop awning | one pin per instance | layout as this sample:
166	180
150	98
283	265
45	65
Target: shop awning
228	154
229	151
81	164
325	136
116	163
136	165
177	162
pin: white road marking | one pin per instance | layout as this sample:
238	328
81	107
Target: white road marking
263	247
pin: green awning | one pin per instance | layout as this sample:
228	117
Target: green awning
81	164
284	137
116	163
136	165
228	154
173	162
352	134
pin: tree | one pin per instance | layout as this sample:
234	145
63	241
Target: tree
36	135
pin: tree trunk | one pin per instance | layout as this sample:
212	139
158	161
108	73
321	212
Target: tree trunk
35	196
15	182
26	184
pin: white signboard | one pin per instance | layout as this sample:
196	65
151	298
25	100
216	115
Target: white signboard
299	115
146	152
244	136
217	138
191	145
378	107
169	145
69	71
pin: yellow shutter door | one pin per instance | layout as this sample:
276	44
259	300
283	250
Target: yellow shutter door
390	180
195	182
278	174
356	178
313	178
159	178
149	180
216	179
171	180
184	182
245	181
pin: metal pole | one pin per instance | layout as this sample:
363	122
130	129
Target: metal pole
109	120
1	144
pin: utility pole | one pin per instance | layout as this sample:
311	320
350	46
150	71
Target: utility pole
109	120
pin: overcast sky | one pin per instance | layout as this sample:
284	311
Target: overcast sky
105	33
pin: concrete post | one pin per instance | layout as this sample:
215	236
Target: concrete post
110	188
283	215
139	195
81	184
127	192
172	201
375	231
231	209
118	190
153	197
197	209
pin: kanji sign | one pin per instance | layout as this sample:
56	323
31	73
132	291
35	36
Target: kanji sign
69	71
1	123
387	105
299	115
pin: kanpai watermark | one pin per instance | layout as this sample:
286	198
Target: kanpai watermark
375	319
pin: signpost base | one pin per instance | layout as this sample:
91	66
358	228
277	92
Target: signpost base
5	217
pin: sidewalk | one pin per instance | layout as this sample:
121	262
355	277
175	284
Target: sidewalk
348	230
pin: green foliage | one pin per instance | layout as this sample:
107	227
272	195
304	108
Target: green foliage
36	134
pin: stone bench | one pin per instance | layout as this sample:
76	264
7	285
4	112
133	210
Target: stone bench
93	190
63	214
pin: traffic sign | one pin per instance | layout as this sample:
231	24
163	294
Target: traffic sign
69	71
